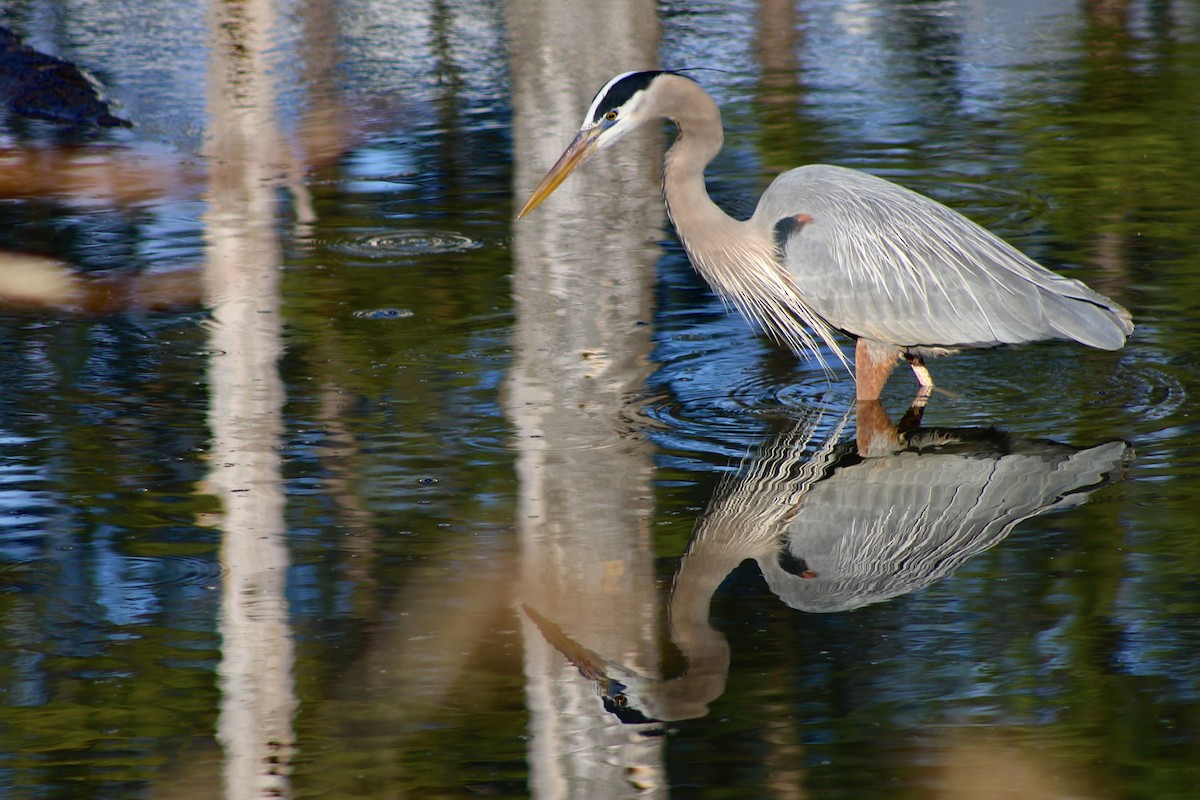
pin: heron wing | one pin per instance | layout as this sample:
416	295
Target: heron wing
880	261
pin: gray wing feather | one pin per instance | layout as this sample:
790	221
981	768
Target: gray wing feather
883	262
888	526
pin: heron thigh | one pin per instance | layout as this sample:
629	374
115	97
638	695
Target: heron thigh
873	363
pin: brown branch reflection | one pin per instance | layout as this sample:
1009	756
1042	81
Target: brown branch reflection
836	525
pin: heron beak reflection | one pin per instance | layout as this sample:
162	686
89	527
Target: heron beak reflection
580	149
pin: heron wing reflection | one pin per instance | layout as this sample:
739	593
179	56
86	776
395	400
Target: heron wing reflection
883	527
833	530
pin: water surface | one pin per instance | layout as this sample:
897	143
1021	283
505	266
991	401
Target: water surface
322	477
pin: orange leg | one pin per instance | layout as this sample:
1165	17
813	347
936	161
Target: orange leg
873	363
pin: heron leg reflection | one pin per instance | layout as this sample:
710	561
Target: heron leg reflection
875	436
912	417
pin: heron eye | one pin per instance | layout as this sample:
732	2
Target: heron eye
612	115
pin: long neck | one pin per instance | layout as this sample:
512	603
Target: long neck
696	217
738	259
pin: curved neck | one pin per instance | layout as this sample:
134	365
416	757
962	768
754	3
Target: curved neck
700	138
740	260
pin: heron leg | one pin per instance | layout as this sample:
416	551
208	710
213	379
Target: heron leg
873	363
922	372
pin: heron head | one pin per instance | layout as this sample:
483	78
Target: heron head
617	109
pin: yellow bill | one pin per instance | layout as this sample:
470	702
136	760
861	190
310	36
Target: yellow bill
581	147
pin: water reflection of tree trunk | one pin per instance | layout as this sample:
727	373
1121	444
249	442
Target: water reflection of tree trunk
1107	40
582	279
778	42
241	280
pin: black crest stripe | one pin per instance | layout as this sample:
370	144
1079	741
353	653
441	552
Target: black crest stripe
619	93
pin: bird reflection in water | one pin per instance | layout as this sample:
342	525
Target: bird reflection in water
836	525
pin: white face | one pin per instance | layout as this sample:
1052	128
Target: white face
622	105
617	108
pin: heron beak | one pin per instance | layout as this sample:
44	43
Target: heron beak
580	149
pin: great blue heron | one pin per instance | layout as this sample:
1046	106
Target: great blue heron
834	249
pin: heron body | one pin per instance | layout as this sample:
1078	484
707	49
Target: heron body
833	249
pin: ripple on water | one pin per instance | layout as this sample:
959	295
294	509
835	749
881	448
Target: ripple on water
134	574
725	420
383	313
168	571
22	575
1146	390
1010	209
403	244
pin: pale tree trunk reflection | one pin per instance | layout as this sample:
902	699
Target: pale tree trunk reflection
241	280
583	275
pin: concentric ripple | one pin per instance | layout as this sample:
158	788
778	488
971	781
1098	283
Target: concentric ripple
383	313
1148	391
168	571
405	244
722	412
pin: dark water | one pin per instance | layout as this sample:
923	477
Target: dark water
322	477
